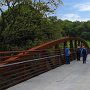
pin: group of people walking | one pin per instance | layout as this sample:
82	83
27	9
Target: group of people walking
80	52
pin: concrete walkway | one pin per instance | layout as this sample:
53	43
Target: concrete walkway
75	76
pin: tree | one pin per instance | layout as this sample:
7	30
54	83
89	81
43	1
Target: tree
23	22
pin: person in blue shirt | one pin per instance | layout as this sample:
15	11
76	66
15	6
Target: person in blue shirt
84	54
67	55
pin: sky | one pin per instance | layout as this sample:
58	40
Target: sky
74	10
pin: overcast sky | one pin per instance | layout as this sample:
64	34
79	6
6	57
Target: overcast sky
74	10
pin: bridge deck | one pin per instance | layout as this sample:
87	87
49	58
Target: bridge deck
75	76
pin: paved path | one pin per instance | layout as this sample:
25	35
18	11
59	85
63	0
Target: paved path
75	76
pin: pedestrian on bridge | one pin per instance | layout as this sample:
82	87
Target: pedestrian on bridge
84	54
67	55
78	53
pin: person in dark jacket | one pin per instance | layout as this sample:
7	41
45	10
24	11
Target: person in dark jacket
84	54
78	53
67	55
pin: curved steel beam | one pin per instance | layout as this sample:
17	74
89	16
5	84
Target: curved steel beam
58	41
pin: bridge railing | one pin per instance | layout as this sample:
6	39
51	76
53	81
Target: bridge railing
30	66
27	55
7	54
15	56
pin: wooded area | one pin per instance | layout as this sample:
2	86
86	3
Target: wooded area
26	23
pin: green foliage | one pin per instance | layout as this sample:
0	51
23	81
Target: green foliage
85	35
25	25
77	29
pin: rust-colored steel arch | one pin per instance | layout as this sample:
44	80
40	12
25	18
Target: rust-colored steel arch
58	41
44	46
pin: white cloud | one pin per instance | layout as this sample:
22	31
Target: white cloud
83	7
72	17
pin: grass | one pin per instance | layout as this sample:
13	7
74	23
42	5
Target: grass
88	42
